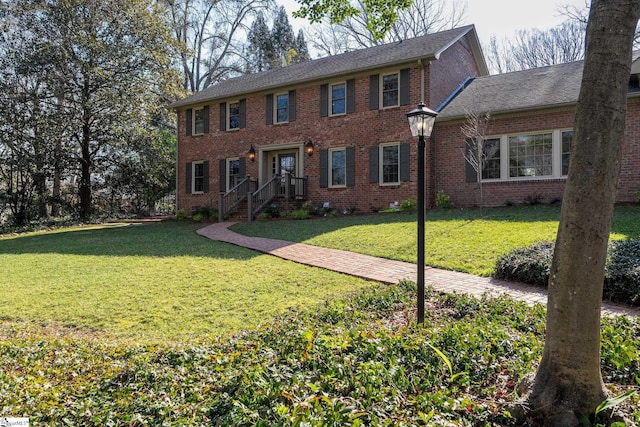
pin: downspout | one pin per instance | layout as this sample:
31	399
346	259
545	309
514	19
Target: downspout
421	80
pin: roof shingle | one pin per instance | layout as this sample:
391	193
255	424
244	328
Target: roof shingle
429	46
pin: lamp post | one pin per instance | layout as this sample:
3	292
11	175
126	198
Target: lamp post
421	121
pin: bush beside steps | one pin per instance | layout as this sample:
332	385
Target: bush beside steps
622	271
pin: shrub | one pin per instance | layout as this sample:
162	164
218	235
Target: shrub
309	208
533	263
622	275
528	265
181	214
197	217
443	201
300	214
408	205
534	199
273	210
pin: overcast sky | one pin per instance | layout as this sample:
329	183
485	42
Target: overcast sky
501	18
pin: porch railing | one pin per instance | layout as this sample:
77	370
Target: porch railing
293	187
263	195
232	198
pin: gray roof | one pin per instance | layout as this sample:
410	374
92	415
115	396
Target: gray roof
426	47
543	87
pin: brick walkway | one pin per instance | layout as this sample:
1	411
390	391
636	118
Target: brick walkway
388	271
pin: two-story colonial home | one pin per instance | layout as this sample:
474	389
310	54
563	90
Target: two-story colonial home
334	130
331	130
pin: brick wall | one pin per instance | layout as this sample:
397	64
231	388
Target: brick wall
447	161
360	130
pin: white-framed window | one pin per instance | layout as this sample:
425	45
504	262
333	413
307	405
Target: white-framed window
281	108
390	90
233	172
390	163
233	115
567	137
338	98
527	156
197	177
491	161
337	167
197	121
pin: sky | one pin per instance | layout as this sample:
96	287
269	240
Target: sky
502	18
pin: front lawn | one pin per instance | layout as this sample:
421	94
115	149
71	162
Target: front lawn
456	239
152	282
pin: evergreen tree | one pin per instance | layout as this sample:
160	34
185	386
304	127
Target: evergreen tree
301	48
283	39
260	49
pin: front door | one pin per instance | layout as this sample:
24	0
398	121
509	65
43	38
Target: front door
284	164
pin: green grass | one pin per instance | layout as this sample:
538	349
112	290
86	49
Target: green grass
456	239
153	282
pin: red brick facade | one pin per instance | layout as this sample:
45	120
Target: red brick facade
361	130
448	164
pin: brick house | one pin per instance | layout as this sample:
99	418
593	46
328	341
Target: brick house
334	130
329	130
528	137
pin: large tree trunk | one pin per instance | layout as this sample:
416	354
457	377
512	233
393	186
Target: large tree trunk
568	378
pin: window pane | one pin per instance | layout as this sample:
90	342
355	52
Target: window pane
530	155
234	173
198	177
234	115
390	90
391	164
491	159
566	150
338	167
338	94
282	108
198	121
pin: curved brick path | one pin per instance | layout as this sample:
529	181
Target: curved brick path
387	271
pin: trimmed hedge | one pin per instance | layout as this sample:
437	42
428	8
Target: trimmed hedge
533	263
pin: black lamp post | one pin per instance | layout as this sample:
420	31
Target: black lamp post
421	121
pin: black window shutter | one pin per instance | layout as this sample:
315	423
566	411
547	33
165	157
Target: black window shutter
405	151
324	100
188	178
223	175
324	168
351	166
373	92
205	113
405	86
188	121
373	164
242	167
269	109
292	105
223	116
351	95
470	174
205	174
243	113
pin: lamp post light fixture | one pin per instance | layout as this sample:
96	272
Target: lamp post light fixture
421	121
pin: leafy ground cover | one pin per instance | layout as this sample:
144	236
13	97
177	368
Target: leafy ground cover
158	281
355	362
466	240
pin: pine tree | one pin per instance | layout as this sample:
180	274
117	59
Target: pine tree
261	48
301	48
283	39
